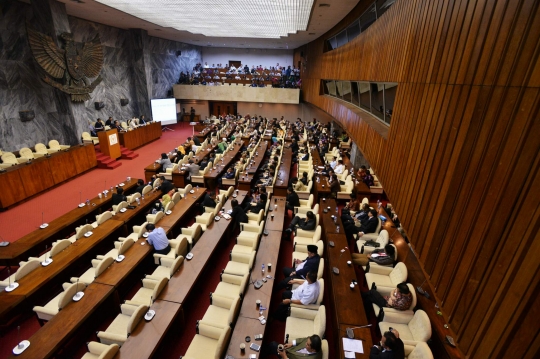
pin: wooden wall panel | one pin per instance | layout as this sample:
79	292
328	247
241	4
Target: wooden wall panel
460	161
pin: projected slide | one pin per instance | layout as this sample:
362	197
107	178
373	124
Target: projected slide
164	111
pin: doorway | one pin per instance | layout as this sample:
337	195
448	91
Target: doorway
235	63
220	108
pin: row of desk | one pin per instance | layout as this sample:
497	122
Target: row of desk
140	136
51	337
22	181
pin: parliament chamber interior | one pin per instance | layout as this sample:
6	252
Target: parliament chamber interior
322	178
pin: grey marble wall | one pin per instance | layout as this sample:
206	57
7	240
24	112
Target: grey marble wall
137	74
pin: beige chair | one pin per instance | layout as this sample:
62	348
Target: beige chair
346	190
373	235
308	234
240	263
192	234
80	232
185	190
222	311
98	267
232	181
411	330
102	218
56	304
232	286
178	247
149	291
56	248
122	326
167	268
154	218
306	202
300	250
137	233
382	239
228	192
420	351
176	198
27	154
200	177
120	247
346	144
302	211
146	189
100	351
377	188
255	218
209	342
124	125
169	171
87	138
169	206
133	198
390	314
9	159
54	145
246	245
386	278
319	301
25	269
370	265
305	194
43	150
117	207
302	321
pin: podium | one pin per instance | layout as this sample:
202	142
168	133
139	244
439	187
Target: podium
109	143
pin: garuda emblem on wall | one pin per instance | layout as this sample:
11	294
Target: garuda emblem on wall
68	69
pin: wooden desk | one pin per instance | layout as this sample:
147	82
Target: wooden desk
137	215
282	181
179	211
257	159
279	215
147	336
25	180
360	333
179	177
184	279
244	327
140	136
57	331
34	243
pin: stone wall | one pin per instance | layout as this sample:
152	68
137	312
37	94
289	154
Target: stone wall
136	67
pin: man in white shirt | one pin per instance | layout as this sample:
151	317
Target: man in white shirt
340	167
158	239
333	164
206	65
306	293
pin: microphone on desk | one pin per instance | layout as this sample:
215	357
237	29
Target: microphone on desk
350	331
422	291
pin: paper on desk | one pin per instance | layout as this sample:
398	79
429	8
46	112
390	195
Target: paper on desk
352	345
350	354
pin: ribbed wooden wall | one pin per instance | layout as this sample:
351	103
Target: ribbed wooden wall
460	161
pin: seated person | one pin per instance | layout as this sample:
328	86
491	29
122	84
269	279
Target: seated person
204	162
192	169
156	208
352	205
400	298
390	347
98	126
307	224
368	226
360	215
209	199
222	146
299	348
164	185
260	204
297	185
238	215
340	167
167	197
383	256
228	175
333	163
165	162
304	178
311	263
306	293
118	196
140	186
292	200
158	239
334	185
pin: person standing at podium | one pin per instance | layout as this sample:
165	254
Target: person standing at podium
192	115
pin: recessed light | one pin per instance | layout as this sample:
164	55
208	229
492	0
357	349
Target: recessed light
324	5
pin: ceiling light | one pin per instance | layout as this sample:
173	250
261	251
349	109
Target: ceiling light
283	17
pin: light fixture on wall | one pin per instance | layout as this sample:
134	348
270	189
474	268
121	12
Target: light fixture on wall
124	101
99	105
178	53
27	115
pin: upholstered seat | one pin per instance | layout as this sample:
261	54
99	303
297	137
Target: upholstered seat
199	178
53	144
240	263
255	218
377	188
346	144
346	190
245	245
411	330
185	190
117	207
227	192
167	268
231	285
122	326
137	233
133	198
148	292
390	314
27	154
80	232
146	189
305	194
100	351
25	269
9	159
87	138
302	211
382	239
169	171
42	149
56	304
192	234
306	203
308	237
420	351
120	247
209	342
232	181
302	321
370	236
56	248
154	218
300	250
178	247
222	311
98	267
386	278
102	218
